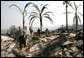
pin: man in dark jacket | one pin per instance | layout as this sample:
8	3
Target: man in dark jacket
20	39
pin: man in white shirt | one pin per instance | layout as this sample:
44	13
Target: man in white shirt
27	35
26	31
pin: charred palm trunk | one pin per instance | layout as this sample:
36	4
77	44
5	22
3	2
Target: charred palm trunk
40	22
76	23
66	18
23	23
76	20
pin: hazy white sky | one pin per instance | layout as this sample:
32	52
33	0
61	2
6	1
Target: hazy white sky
10	16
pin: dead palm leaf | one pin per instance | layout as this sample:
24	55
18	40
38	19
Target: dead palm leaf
16	7
43	8
27	4
75	5
32	19
79	5
49	19
48	12
33	14
34	5
46	15
32	22
80	14
70	5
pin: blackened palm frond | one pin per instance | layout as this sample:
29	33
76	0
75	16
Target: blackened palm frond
75	5
71	6
79	5
46	15
33	13
15	6
48	12
34	5
80	13
79	19
19	11
44	7
31	16
31	19
28	4
49	19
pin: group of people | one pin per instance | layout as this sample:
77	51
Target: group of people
23	36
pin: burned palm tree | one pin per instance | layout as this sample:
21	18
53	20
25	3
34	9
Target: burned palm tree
76	18
24	12
39	14
67	3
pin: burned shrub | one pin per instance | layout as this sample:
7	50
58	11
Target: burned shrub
12	31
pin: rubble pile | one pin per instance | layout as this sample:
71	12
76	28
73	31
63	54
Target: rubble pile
66	44
34	50
73	47
7	44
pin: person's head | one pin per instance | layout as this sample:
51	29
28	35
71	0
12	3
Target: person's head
20	28
25	27
30	28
